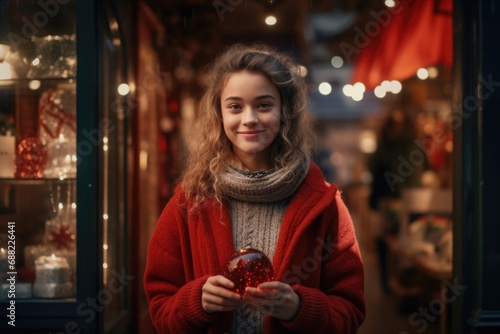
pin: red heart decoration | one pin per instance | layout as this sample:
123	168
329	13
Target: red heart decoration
248	267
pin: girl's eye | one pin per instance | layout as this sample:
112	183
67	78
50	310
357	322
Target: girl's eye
265	105
234	107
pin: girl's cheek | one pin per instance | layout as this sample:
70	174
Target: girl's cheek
275	124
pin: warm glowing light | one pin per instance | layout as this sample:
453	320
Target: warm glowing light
367	141
357	96
73	205
60	206
104	147
422	73
123	89
337	61
433	72
105	246
105	140
105	265
5	71
35	62
271	20
386	85
359	87
4	49
34	84
105	216
395	86
449	146
428	128
379	92
143	160
302	71
430	179
325	88
347	90
390	3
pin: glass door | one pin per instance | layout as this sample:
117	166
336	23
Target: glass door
38	155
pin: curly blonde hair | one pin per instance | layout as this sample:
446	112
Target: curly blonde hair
209	149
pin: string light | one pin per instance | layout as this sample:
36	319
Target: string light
271	20
379	92
34	84
123	89
347	90
422	73
337	62
325	88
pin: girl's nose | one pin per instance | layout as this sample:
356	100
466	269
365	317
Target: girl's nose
249	117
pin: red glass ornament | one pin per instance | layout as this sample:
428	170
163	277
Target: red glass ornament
31	156
248	268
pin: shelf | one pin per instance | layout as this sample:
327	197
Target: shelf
23	80
40	300
35	182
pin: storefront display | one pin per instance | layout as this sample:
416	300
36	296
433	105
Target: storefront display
52	278
60	206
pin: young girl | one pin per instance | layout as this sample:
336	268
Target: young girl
250	182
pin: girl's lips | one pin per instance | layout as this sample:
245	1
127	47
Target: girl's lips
250	134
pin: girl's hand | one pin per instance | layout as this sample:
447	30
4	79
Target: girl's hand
274	298
216	296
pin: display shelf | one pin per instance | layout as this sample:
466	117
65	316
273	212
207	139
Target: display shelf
3	82
34	182
63	175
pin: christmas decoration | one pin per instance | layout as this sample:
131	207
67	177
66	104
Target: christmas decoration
31	156
55	57
61	159
57	114
53	278
62	237
248	268
57	130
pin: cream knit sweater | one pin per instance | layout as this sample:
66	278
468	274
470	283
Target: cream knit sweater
257	202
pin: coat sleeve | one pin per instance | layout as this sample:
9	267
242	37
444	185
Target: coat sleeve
174	303
338	306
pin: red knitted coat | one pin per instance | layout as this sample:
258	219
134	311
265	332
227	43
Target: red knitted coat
317	254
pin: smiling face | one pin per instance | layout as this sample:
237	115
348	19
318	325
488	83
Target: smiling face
251	114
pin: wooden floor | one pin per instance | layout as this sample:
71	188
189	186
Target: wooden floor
386	313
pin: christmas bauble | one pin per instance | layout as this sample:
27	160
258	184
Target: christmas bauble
31	156
248	268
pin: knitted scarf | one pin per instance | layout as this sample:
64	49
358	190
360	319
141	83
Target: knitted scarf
264	186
